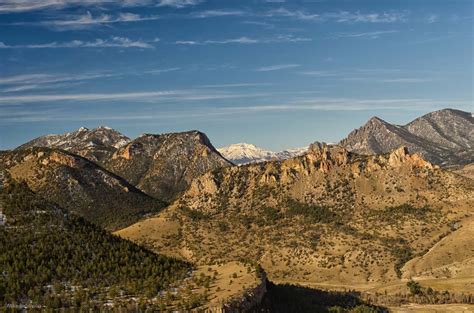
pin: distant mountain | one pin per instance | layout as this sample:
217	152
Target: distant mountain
78	185
444	137
94	144
164	165
244	153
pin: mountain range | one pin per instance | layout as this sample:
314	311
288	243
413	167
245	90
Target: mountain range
444	137
244	153
382	207
160	165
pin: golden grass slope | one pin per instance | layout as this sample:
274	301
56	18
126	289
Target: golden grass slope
329	218
452	256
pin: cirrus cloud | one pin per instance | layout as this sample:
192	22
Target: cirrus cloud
113	42
276	67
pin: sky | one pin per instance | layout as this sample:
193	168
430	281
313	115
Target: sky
275	73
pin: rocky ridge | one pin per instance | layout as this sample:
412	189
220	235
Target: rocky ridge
94	144
165	165
444	137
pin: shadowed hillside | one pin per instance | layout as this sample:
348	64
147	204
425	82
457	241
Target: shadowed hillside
79	185
163	166
56	259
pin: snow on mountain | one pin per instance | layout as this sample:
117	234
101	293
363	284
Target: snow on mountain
94	144
243	153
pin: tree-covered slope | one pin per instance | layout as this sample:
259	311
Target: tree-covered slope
52	258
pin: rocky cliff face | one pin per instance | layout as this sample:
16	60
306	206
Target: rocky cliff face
78	185
302	172
444	137
164	165
247	302
94	144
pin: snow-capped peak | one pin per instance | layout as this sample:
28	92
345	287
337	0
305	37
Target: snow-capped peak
243	153
104	127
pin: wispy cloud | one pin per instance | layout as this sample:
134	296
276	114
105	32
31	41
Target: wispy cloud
11	114
407	80
297	14
245	40
145	96
114	42
349	104
187	42
376	75
31	5
357	17
238	85
320	73
179	3
276	67
18	6
163	70
217	13
82	97
365	35
35	81
435	37
49	81
240	40
340	17
259	23
88	20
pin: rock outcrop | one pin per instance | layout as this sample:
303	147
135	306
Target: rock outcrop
248	301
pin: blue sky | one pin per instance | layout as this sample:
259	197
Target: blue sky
278	74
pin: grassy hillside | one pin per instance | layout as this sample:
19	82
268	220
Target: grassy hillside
330	218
